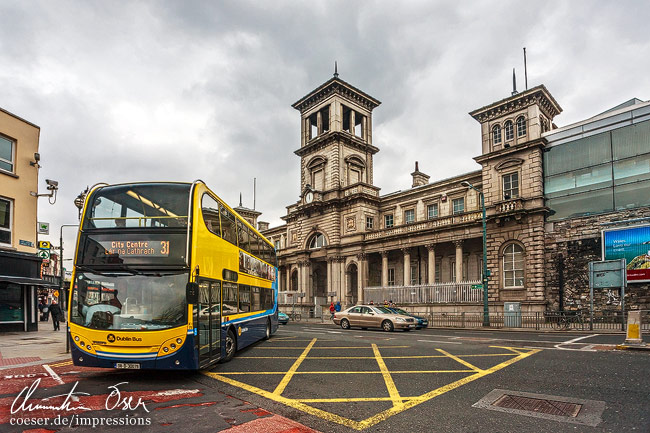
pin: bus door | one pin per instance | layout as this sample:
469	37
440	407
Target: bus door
209	321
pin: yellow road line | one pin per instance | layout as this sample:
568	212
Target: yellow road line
327	348
241	373
392	389
405	403
515	349
455	358
61	364
287	378
348	400
372	357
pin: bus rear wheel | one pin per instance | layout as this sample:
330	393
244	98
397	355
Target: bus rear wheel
231	345
268	330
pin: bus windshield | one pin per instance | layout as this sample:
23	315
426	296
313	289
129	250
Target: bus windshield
129	302
138	205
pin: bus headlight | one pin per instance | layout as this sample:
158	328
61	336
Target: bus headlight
179	341
89	348
165	349
76	338
173	346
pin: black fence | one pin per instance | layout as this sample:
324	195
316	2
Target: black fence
569	320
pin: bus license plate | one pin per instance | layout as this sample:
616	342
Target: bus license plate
128	365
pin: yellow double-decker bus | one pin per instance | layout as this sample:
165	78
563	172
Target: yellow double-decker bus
167	276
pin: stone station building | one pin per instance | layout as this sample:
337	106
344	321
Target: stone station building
423	246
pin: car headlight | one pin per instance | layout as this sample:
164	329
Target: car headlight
401	319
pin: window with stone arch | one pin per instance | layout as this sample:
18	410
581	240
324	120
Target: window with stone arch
317	241
354	169
521	126
496	134
316	169
513	266
509	130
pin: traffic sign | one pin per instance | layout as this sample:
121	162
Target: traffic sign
44	245
43	228
44	254
477	286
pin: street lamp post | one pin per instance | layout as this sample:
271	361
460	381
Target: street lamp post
486	315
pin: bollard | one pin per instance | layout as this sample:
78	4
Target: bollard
633	335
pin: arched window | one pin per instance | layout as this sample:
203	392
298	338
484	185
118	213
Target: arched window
513	266
496	134
521	126
509	131
317	241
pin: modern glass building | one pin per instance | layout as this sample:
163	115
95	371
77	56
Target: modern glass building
599	165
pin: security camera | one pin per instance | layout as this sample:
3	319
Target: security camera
37	156
52	183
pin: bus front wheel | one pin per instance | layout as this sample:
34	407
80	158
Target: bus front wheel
268	330
231	345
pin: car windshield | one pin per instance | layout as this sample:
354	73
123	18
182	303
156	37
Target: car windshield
133	302
382	310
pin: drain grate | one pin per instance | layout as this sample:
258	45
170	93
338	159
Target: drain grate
552	407
538	405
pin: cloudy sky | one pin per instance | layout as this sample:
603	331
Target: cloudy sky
185	90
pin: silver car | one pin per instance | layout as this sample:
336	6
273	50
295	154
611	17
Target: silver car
372	316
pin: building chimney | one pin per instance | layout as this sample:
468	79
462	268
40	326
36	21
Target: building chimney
419	178
261	226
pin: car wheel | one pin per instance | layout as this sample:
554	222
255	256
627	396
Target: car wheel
345	324
387	325
268	330
231	346
364	328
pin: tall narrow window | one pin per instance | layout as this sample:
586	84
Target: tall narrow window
6	154
513	266
5	221
409	216
432	211
510	186
414	274
496	134
369	222
388	221
521	126
509	130
458	205
391	276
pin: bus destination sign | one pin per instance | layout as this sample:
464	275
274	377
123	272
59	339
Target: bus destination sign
143	248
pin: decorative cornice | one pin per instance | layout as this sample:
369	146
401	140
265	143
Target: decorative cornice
336	86
328	138
538	95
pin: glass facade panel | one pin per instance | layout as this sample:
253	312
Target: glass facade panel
578	154
11	303
632	195
631	140
632	169
581	204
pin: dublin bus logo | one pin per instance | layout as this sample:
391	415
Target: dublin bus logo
110	338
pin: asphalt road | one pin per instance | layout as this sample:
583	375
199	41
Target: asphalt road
432	380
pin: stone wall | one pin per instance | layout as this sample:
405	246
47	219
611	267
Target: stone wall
569	247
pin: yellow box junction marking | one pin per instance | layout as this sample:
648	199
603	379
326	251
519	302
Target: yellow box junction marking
400	403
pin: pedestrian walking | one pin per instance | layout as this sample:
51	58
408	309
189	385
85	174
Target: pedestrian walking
337	307
56	313
332	309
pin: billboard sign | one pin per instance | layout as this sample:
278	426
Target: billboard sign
633	245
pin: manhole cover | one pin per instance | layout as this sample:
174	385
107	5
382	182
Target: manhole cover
551	407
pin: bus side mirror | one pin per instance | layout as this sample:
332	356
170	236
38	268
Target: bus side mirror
192	293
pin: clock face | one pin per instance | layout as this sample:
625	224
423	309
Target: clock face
309	197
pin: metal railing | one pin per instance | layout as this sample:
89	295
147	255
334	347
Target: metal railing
607	320
439	293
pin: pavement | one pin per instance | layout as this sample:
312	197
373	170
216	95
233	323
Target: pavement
40	357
